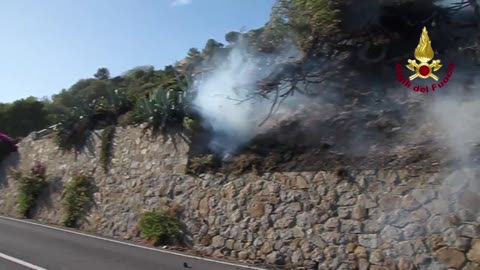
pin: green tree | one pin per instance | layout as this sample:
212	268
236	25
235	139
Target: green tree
232	37
194	53
65	98
23	116
210	48
54	111
86	91
194	58
309	20
139	72
102	74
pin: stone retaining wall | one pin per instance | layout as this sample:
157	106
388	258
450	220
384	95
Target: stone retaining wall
315	220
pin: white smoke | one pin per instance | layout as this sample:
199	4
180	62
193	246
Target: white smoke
458	123
456	117
225	97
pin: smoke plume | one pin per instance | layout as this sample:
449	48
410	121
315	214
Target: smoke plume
226	96
456	118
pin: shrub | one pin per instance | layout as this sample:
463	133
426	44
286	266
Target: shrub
159	227
77	198
107	146
29	188
201	164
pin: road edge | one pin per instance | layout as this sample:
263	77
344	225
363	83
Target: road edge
37	223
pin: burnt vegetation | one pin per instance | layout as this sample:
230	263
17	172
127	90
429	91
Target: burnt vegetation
348	53
356	41
348	50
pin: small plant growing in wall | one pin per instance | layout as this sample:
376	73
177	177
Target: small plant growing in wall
30	187
159	227
77	198
107	146
201	164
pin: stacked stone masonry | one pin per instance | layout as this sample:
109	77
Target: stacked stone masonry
373	220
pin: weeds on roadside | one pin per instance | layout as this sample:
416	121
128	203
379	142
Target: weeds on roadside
159	227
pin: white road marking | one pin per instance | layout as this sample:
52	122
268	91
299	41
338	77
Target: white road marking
132	245
18	261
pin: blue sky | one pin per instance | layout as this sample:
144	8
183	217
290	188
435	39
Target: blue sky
48	45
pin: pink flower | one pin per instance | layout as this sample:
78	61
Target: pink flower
39	169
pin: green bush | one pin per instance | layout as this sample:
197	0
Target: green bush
77	198
107	146
201	164
29	188
23	116
159	227
309	20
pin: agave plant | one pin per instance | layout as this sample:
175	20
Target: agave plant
117	101
73	131
108	108
161	108
186	83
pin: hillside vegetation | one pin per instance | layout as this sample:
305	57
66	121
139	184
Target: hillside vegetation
346	54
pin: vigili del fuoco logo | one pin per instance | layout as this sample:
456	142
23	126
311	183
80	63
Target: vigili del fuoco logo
423	68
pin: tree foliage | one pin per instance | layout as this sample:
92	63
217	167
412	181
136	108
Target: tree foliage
316	26
23	116
102	74
232	36
308	20
211	48
194	58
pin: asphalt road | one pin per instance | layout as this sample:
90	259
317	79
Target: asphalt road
8	265
25	246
